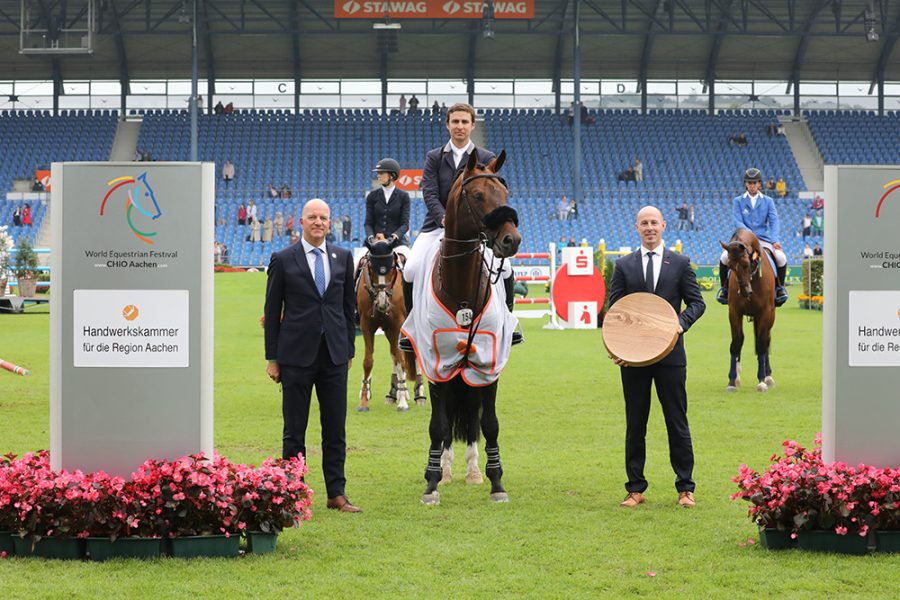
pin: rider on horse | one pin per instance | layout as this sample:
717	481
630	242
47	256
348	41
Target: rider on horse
442	166
755	211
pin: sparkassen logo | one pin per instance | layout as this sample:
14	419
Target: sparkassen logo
140	194
889	184
351	7
451	8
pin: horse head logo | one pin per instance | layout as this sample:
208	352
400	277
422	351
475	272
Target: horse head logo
894	186
140	195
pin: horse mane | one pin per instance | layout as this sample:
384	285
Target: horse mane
748	238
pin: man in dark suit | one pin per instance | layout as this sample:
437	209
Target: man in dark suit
387	208
655	269
309	333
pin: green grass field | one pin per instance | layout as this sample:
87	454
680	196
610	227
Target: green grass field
562	535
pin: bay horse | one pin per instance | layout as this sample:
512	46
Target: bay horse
379	302
751	293
460	327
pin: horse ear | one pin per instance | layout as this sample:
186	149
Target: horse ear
473	161
724	247
755	255
494	165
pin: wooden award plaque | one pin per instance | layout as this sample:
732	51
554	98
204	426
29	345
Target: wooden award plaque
640	329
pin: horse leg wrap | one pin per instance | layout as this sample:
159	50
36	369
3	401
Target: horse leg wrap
433	471
494	470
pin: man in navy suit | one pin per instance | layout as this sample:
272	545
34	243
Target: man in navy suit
657	270
310	333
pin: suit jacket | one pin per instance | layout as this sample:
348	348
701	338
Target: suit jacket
291	291
438	176
387	218
677	283
762	220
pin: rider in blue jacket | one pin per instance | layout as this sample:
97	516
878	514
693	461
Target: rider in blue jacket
755	211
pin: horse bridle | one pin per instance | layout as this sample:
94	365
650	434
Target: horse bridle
754	270
491	220
374	288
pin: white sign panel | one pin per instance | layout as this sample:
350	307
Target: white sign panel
583	315
131	328
874	339
579	260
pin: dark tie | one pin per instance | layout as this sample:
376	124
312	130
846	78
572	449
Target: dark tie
320	271
648	278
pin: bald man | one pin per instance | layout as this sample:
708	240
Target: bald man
655	269
310	331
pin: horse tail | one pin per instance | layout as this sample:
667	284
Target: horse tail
465	412
409	365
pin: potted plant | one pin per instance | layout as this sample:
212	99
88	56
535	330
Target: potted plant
26	268
6	242
271	497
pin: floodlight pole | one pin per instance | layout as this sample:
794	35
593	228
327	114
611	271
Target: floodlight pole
194	86
576	109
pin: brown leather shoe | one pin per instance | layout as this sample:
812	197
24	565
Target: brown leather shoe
632	499
342	504
686	499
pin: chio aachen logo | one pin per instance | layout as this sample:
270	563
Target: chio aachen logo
894	186
140	195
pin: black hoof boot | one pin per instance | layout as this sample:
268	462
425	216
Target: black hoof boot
431	497
494	471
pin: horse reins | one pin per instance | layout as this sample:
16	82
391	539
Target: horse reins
372	289
754	271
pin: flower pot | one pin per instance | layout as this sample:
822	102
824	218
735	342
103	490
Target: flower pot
27	287
99	548
771	538
6	543
888	541
259	542
205	545
818	540
50	547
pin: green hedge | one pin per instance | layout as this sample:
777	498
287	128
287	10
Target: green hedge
811	272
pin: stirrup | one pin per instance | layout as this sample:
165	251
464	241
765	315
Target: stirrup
404	344
722	295
781	295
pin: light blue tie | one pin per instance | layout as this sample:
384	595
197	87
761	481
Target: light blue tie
320	271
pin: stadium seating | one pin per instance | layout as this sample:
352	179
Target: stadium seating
855	137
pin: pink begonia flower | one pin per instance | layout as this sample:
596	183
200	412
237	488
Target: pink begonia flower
651	574
840	530
751	541
863	531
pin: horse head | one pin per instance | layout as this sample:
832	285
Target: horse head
382	262
743	260
478	209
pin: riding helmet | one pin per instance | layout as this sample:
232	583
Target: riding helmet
753	174
388	165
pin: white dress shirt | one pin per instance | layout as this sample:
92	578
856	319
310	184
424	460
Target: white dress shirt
458	153
388	191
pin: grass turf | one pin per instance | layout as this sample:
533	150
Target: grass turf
562	535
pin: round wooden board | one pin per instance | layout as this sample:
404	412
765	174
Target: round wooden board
640	329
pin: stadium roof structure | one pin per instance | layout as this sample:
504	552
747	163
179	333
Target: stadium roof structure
787	40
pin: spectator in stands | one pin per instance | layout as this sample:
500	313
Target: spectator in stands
817	251
772	129
780	130
413	104
137	156
295	237
742	139
806	226
337	227
573	209
755	211
638	169
347	229
272	191
26	215
807	252
224	253
219	109
781	187
402	104
733	139
37	185
252	212
572	243
217	252
289	225
691	218
229	108
818	222
228	172
435	108
254	230
562	209
17	217
683	215
242	215
818	202
279	224
770	185
267	230
146	157
286	191
443	108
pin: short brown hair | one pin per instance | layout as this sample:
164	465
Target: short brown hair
461	107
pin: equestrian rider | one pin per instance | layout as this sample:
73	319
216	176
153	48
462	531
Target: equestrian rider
755	211
442	166
387	209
